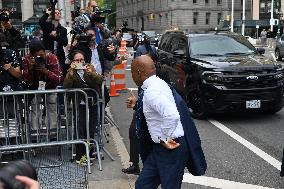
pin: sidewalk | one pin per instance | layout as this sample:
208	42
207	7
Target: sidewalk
111	175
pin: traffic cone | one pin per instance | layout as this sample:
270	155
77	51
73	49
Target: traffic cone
120	76
112	91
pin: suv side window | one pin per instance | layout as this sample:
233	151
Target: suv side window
178	43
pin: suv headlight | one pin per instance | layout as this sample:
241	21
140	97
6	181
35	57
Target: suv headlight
212	77
278	76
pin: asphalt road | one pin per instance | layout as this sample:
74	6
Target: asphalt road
243	151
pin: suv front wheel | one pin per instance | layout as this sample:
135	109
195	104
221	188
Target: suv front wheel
195	101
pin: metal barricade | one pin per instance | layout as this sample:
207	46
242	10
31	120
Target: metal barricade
32	120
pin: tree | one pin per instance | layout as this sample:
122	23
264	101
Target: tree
112	17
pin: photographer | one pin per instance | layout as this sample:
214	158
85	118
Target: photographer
95	54
42	71
10	72
81	75
13	35
54	36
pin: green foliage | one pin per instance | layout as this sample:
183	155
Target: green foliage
112	17
100	3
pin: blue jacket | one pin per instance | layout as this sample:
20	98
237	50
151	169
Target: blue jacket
196	163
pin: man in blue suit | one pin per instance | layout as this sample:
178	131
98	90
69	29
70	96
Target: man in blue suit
175	140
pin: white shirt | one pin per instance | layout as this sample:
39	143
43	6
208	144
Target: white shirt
160	110
96	61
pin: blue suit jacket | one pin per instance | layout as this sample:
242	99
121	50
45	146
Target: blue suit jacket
196	163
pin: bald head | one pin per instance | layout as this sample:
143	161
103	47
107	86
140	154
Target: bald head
142	68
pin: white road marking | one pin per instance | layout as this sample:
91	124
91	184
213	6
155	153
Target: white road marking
128	65
273	55
218	183
128	69
269	159
187	178
133	89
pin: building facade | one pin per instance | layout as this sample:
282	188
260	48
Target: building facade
188	15
24	9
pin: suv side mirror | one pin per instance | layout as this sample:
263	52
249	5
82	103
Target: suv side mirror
260	50
179	53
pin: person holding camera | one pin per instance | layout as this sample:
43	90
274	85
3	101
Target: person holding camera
10	75
42	71
82	75
96	54
54	36
10	72
13	36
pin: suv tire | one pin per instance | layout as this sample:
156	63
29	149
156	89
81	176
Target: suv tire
195	100
277	55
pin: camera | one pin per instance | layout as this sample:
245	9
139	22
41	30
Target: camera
96	17
10	170
4	17
39	60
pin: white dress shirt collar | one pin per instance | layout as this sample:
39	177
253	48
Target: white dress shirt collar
147	82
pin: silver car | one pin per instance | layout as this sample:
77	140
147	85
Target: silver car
279	49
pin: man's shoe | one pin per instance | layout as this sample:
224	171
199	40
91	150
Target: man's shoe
132	170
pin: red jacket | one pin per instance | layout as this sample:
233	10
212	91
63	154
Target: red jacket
53	79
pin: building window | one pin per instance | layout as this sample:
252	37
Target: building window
194	1
195	17
207	19
219	18
219	2
206	1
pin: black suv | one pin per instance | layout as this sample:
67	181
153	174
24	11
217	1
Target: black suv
221	72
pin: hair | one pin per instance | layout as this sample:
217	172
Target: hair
75	52
35	46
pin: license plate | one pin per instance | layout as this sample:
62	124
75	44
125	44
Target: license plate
253	104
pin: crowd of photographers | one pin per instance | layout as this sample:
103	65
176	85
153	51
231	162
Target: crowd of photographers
91	56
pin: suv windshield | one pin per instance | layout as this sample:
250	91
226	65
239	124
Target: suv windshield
220	45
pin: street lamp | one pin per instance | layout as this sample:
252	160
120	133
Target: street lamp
232	17
244	17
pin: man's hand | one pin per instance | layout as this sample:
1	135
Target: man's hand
42	69
32	63
89	69
7	25
7	66
171	144
131	100
111	48
100	26
53	34
48	11
28	182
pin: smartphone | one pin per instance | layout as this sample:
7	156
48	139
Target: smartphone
80	66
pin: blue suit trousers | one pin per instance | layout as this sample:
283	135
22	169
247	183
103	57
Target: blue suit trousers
165	167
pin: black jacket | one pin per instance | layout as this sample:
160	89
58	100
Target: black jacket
48	41
13	37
